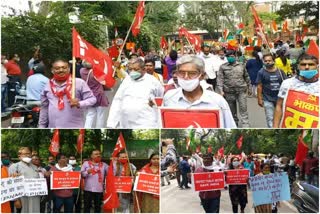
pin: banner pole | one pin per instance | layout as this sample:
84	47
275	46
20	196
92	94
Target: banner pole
134	193
73	90
125	40
190	45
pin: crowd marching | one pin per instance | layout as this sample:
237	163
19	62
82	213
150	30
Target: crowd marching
217	78
182	167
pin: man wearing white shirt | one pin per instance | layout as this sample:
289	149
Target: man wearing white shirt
209	61
191	95
133	106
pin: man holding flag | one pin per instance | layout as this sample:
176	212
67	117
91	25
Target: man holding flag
94	172
58	107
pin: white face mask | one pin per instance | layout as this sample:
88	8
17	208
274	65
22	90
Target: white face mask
26	159
72	162
188	85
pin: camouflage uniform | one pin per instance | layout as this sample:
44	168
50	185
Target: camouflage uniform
234	81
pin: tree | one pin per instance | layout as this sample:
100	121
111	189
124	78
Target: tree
308	9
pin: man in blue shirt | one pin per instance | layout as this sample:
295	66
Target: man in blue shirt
184	169
35	84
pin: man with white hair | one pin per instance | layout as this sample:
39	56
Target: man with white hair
191	95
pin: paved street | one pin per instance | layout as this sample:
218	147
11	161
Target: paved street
256	113
174	200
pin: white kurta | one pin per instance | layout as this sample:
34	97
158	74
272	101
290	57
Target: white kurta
130	106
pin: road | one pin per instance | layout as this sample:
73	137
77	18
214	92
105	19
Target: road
256	113
174	200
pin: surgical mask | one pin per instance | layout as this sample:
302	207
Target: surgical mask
72	162
135	75
52	163
308	74
5	162
222	57
231	59
188	85
269	65
26	159
235	164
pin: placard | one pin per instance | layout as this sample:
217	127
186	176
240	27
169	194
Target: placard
35	186
208	181
64	180
12	188
267	189
190	118
237	177
123	184
148	183
301	110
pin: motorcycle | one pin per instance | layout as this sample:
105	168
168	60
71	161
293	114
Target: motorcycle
25	116
305	197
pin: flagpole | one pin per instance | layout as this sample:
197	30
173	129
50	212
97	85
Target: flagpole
80	165
190	45
125	40
134	193
73	90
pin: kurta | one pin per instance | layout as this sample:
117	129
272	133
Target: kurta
30	204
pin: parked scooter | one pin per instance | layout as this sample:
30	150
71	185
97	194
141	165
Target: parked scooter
305	197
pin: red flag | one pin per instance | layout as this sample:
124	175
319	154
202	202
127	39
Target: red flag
221	151
138	18
259	26
274	26
110	198
285	26
113	51
194	40
198	149
120	145
210	149
240	25
80	141
298	37
313	49
302	151
239	142
55	143
163	43
101	63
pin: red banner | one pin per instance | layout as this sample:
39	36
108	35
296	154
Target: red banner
208	181
301	110
148	183
237	176
55	143
64	180
123	184
186	118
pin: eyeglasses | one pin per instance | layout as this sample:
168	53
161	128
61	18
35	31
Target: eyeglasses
191	74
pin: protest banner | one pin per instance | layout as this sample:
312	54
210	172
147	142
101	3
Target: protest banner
270	188
123	184
64	180
148	183
237	177
208	181
301	110
186	118
35	186
12	188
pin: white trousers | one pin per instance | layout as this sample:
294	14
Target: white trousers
96	117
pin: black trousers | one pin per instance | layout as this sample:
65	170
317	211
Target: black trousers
96	197
212	82
184	181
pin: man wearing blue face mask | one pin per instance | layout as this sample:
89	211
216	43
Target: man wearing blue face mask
233	83
304	90
132	105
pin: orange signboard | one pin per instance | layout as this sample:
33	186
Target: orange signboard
301	110
148	183
123	184
186	118
64	180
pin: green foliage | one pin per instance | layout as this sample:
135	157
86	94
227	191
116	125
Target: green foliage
308	9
